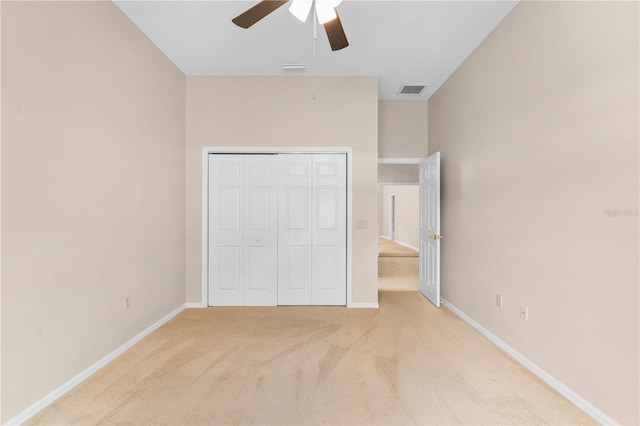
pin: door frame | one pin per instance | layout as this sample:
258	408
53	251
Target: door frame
392	217
207	150
404	160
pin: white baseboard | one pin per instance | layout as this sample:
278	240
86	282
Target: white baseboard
399	242
365	305
406	245
192	305
79	378
563	390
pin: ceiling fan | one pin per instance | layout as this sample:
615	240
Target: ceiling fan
325	11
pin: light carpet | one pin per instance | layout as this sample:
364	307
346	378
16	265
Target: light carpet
388	248
398	274
405	363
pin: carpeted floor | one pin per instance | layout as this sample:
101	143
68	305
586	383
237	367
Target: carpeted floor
397	267
405	363
398	274
390	248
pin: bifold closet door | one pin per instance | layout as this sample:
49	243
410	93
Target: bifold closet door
242	230
312	229
294	229
329	233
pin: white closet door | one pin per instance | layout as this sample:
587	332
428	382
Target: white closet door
329	235
243	230
260	230
277	229
294	229
225	230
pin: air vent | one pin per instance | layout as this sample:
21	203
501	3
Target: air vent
293	68
411	89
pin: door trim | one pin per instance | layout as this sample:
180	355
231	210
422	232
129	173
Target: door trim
409	160
392	217
269	150
381	185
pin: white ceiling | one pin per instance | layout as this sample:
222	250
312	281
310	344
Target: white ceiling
401	42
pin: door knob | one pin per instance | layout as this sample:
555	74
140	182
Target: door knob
258	239
297	238
436	237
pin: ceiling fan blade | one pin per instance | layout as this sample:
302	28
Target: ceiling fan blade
335	33
257	12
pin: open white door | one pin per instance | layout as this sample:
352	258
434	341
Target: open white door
430	228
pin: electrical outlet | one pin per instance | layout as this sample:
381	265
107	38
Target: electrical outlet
499	301
126	302
524	313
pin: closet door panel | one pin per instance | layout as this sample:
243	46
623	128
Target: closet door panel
225	230
277	229
227	270
258	271
260	230
294	229
329	230
326	266
298	273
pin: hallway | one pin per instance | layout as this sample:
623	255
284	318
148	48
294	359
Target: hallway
397	267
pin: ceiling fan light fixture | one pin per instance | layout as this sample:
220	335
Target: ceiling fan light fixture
325	12
300	9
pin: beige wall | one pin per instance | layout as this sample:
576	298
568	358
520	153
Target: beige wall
93	190
538	131
280	111
407	213
402	129
402	133
398	173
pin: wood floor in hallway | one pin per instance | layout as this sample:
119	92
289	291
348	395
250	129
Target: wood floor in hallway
405	363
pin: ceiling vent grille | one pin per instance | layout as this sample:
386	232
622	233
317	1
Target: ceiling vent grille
291	68
411	89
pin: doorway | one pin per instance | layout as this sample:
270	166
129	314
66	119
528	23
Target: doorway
398	259
427	176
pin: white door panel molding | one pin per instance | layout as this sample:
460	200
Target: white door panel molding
275	228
